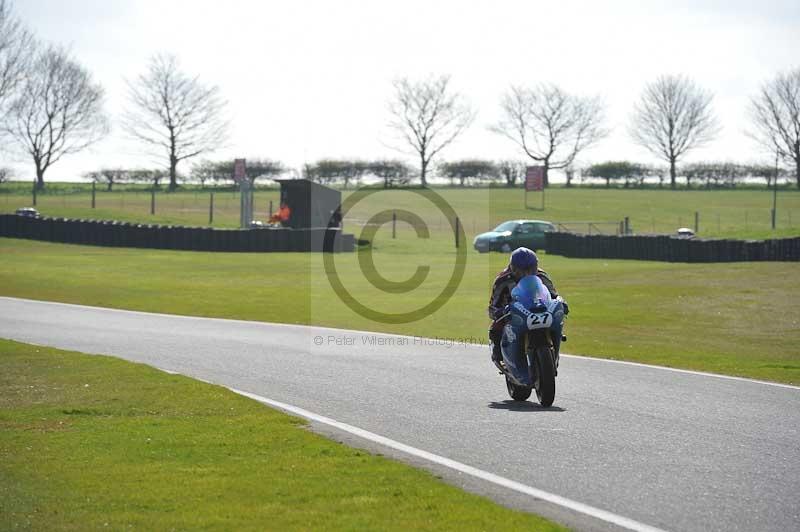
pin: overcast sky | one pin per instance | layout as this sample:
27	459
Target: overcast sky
311	79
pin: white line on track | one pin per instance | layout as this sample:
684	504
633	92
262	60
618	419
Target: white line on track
576	506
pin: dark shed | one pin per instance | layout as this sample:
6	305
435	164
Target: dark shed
311	204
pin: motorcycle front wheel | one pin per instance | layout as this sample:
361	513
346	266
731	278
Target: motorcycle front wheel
517	392
545	383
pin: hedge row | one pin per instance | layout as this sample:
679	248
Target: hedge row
121	234
671	249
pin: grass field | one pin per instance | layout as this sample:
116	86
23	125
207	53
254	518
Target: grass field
723	213
210	459
97	443
737	319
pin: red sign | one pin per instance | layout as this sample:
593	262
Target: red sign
534	178
239	172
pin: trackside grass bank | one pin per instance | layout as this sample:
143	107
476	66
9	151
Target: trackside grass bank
723	213
732	318
93	442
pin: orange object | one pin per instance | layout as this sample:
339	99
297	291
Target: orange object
282	216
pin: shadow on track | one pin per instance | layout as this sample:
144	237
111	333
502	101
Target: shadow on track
523	406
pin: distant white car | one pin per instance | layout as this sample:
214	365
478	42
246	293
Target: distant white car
685	232
28	212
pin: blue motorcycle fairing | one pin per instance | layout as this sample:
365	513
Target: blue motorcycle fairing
516	362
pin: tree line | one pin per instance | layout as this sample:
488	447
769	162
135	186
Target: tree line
511	173
463	173
627	174
392	172
51	107
708	174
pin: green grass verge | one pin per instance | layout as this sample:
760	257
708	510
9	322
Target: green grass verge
93	442
735	318
723	213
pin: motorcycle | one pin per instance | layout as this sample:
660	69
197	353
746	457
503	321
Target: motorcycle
530	345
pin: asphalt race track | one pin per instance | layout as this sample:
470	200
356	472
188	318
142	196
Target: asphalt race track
652	447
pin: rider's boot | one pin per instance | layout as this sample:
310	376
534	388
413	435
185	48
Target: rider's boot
494	344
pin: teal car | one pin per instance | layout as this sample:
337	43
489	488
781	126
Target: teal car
513	234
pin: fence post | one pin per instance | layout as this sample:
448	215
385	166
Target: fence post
696	222
394	225
211	209
252	204
457	224
153	201
270	209
34	193
627	225
621	227
94	186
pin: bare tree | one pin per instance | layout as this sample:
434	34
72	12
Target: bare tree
108	176
469	170
616	170
330	170
209	171
257	168
58	110
765	171
569	173
512	171
261	168
673	116
775	114
16	49
393	172
175	114
428	117
551	126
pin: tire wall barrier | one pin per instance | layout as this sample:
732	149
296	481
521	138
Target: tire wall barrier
671	249
131	235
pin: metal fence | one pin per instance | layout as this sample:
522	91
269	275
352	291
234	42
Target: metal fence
591	228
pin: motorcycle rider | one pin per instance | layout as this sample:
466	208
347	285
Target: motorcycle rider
523	262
